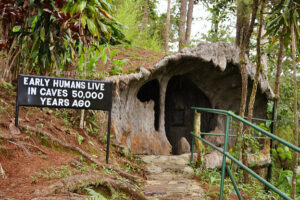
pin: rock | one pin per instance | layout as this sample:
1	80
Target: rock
216	140
188	172
76	164
183	146
169	177
212	68
154	191
213	160
13	129
2	172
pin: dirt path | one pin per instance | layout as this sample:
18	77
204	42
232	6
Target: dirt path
170	178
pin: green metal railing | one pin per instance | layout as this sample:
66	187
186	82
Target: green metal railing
225	153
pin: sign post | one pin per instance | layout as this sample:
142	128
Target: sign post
43	91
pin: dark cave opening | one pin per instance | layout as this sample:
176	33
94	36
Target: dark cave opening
181	95
150	91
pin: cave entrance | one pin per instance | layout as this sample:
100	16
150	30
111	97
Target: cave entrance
150	91
181	95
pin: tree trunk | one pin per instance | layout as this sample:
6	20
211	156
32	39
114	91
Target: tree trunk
245	30
242	22
81	122
295	155
249	29
254	87
145	15
264	57
258	66
167	28
182	24
189	22
278	74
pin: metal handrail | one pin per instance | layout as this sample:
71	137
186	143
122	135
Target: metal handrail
229	115
274	137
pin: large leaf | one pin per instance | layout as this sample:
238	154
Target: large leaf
91	26
81	6
102	26
83	21
42	34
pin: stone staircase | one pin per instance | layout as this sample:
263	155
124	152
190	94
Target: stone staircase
170	178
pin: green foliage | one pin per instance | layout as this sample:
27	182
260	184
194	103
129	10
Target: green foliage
7	86
129	14
222	12
212	178
284	153
54	173
95	195
50	31
80	139
284	181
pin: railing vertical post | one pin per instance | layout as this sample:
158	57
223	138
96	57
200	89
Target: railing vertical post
224	156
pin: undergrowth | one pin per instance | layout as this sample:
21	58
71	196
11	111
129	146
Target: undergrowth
212	179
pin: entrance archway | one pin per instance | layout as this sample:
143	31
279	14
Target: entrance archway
181	95
150	91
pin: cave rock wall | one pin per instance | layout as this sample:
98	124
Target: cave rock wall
151	109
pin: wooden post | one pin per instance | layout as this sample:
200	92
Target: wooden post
199	146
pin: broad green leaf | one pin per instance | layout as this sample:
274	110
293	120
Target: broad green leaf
289	179
285	20
34	22
91	27
81	61
16	28
113	53
83	21
105	5
81	6
102	26
92	10
80	139
280	150
104	57
289	155
282	156
42	34
36	41
74	9
286	149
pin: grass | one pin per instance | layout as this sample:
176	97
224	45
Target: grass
63	171
53	173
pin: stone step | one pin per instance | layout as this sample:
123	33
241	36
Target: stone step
170	178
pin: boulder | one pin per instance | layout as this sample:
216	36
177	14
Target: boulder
216	140
213	160
183	146
13	129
